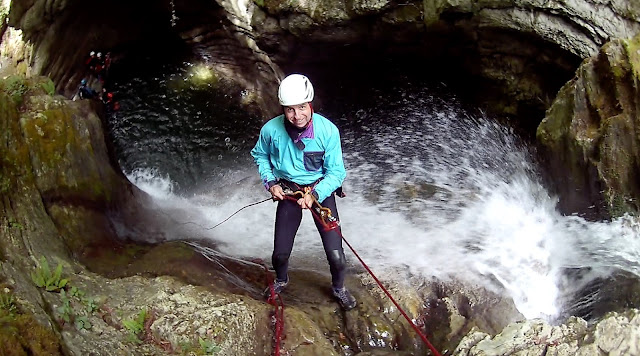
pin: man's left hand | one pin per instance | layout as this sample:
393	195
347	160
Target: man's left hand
306	202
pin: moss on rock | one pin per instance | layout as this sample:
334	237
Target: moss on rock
590	133
20	333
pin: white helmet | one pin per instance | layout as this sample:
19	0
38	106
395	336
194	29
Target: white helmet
295	89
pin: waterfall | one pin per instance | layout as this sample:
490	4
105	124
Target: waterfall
435	190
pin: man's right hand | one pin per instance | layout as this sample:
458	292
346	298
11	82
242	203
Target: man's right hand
276	192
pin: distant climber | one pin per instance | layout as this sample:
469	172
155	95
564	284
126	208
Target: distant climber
85	91
91	61
107	100
107	61
99	63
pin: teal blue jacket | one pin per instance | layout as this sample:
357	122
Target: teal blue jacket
278	157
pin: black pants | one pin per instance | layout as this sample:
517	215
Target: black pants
288	218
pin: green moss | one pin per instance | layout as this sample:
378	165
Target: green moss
432	10
27	337
405	14
5	184
618	71
633	52
112	260
60	148
48	86
15	86
41	125
618	205
622	201
21	334
4	15
259	3
50	129
558	118
94	189
13	224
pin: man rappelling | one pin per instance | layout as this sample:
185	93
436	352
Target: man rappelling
300	152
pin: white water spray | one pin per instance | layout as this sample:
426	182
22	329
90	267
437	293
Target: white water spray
440	193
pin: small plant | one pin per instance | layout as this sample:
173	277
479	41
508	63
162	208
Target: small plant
7	303
82	322
75	292
202	347
14	224
15	87
136	326
44	278
49	87
89	305
68	311
65	310
209	347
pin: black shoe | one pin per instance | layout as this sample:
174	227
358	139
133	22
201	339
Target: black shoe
346	300
278	287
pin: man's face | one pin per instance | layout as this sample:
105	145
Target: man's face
298	115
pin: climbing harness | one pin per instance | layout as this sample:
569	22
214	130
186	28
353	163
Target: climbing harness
320	213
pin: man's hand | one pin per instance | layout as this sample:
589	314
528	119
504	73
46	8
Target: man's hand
306	202
276	192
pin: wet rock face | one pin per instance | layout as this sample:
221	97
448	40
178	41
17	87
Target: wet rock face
586	133
518	51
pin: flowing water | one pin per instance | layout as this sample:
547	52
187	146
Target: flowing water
434	189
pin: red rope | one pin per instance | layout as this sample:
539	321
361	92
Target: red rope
277	317
413	325
327	226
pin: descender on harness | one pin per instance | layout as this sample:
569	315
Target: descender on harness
323	215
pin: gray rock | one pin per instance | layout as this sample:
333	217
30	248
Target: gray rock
616	334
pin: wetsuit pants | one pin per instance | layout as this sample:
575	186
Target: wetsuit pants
288	218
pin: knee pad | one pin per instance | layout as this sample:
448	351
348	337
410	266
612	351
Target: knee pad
280	259
336	259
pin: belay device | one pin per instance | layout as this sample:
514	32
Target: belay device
323	215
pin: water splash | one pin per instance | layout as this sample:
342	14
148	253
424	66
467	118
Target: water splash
152	182
434	191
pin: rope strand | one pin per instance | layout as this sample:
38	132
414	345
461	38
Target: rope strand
239	210
413	325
